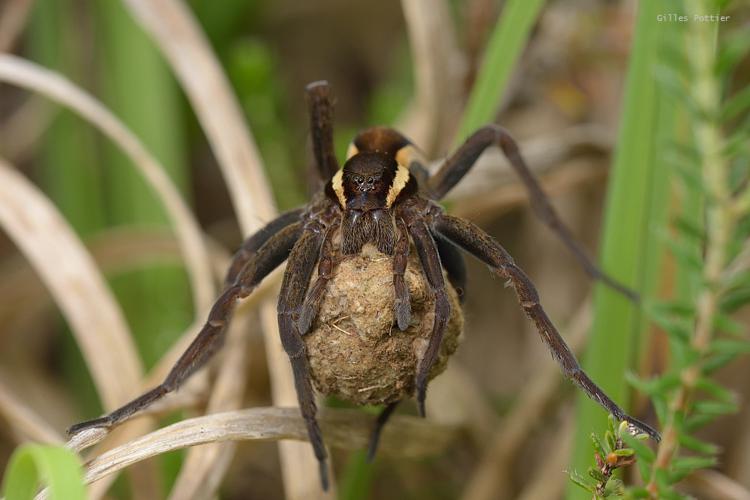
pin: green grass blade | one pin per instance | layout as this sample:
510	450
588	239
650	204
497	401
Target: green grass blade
57	467
503	50
637	199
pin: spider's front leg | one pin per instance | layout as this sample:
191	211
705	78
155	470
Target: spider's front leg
482	246
211	337
430	260
465	157
321	128
296	280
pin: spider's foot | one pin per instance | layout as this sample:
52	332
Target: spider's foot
323	466
89	424
635	426
372	448
421	396
403	314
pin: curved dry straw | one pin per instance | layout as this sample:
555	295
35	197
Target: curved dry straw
30	76
68	270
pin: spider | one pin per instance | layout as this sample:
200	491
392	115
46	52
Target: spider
383	197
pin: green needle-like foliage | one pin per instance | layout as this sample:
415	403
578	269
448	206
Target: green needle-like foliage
708	239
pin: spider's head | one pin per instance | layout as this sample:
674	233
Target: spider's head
368	182
376	171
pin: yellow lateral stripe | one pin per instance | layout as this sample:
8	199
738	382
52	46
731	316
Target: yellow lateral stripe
399	182
338	187
351	150
404	155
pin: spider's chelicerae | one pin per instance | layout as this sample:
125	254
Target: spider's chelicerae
384	201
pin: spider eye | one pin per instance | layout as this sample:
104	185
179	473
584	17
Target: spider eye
370	180
358	179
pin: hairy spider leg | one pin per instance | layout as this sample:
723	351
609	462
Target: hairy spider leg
482	246
300	267
320	109
211	337
326	265
454	265
402	302
465	157
380	422
252	244
428	256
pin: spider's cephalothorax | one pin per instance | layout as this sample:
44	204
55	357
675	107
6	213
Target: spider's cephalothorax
366	189
383	198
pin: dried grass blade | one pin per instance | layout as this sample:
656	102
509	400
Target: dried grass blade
30	76
80	291
184	45
409	436
202	472
13	17
438	73
23	420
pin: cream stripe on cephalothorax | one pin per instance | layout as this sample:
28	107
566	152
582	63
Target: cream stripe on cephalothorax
337	183
399	182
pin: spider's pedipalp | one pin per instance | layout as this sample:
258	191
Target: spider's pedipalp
482	246
326	267
402	302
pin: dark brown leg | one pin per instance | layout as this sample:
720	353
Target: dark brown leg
211	337
454	265
314	298
299	270
457	166
257	240
481	245
321	128
382	419
433	271
402	304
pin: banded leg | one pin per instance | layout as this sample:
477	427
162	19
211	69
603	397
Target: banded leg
212	335
321	128
458	165
316	294
482	246
428	256
296	280
402	303
380	422
257	240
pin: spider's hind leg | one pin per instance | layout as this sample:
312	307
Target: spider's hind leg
482	246
383	417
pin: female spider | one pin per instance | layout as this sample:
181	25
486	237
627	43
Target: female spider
382	198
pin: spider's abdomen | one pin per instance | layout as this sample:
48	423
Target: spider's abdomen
356	351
